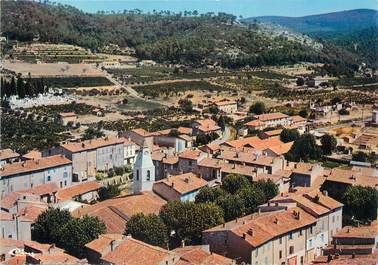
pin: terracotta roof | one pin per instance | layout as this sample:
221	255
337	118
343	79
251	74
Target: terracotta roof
67	114
196	255
273	132
17	260
127	142
78	189
281	149
348	260
33	155
185	130
7	154
303	168
352	178
207	125
44	189
255	123
255	142
142	132
259	229
11	243
31	213
33	165
39	247
4	216
135	252
281	174
246	157
9	200
238	169
103	242
56	258
184	183
171	160
190	154
297	118
115	212
185	137
92	144
211	162
212	147
365	231
271	116
367	139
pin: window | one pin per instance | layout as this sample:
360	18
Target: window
190	163
256	252
291	235
48	178
311	230
280	254
291	250
333	219
148	175
302	260
65	175
61	184
310	243
65	183
322	238
137	174
266	260
300	232
280	240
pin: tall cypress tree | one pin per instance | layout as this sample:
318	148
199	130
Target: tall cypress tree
20	87
12	88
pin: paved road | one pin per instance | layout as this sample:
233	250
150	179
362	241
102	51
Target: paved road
324	129
225	137
131	91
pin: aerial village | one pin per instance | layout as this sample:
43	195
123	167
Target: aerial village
111	158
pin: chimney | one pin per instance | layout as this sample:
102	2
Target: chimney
276	221
172	185
250	231
268	203
186	180
113	245
325	193
224	225
329	258
236	220
299	215
353	255
244	235
182	243
82	145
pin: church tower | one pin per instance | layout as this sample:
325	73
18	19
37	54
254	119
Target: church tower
144	171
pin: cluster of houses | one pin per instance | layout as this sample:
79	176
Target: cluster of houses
296	227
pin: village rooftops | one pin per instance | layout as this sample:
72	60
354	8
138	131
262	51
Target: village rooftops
255	123
142	132
280	149
257	229
247	157
297	119
164	158
102	243
363	231
8	154
312	201
78	189
271	116
238	169
117	211
134	252
281	174
255	142
207	125
34	165
32	155
92	144
197	255
352	178
190	154
184	183
347	259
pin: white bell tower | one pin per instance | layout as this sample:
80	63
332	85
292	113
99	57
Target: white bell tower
144	171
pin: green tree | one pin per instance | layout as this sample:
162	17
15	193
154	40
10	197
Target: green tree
360	156
148	228
289	135
74	234
300	81
233	206
174	133
329	143
186	105
20	88
109	192
361	202
233	183
213	110
304	148
252	197
268	188
303	113
258	108
188	219
92	133
48	223
208	194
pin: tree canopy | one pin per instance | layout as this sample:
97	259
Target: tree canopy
289	135
258	108
304	148
329	143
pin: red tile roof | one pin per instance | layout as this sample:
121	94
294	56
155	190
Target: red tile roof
352	178
364	231
135	252
78	189
44	189
271	116
92	144
196	255
183	183
7	154
255	142
33	165
103	241
190	154
255	123
115	212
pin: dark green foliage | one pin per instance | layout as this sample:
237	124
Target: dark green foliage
188	219
252	197
148	228
268	188
303	113
233	183
109	192
258	108
360	202
329	143
289	135
233	206
360	157
92	133
186	105
174	133
202	139
304	148
214	110
208	194
84	81
74	234
300	81
23	135
48	223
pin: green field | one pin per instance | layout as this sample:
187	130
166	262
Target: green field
66	82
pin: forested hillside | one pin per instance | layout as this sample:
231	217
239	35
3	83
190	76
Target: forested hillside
165	37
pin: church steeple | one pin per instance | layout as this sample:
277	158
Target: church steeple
144	171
